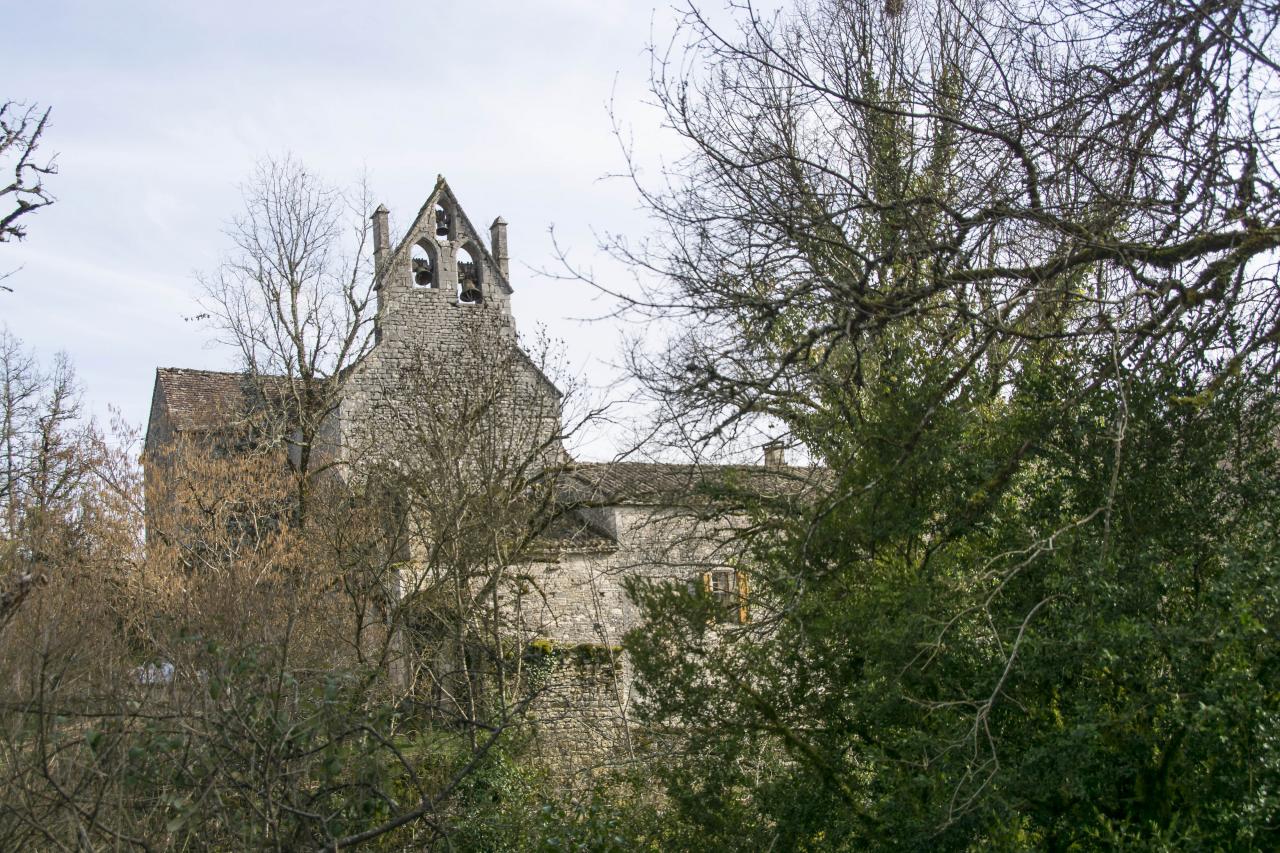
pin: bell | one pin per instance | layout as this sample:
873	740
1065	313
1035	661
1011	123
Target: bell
470	295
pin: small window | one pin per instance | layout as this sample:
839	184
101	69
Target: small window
422	265
728	589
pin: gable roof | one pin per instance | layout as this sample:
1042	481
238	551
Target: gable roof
209	402
658	483
203	399
196	400
571	533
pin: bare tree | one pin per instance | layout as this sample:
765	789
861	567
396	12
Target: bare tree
465	473
240	682
295	299
46	458
1105	173
21	128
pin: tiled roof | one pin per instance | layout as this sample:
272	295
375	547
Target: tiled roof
656	482
204	399
211	399
570	533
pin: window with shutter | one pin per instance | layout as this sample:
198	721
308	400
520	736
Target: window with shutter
728	587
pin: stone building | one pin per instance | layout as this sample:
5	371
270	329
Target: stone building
446	345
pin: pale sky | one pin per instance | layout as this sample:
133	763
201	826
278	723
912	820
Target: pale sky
160	110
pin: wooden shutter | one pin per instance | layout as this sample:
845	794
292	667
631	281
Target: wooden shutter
743	614
707	590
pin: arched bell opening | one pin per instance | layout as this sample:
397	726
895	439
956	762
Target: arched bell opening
444	224
470	286
423	269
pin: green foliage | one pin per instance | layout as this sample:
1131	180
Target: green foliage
513	808
1022	624
1038	608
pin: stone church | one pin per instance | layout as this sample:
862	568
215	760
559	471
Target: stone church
444	310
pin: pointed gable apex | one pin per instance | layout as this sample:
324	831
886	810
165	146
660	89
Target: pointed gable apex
466	232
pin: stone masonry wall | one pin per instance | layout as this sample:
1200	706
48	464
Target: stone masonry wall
580	608
434	348
431	342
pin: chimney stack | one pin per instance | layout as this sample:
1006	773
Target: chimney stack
498	242
775	454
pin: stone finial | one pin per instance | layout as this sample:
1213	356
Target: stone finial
381	237
498	244
775	454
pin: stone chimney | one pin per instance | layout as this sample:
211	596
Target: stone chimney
775	454
498	244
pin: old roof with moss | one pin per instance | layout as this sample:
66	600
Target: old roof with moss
204	399
210	400
660	483
570	533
